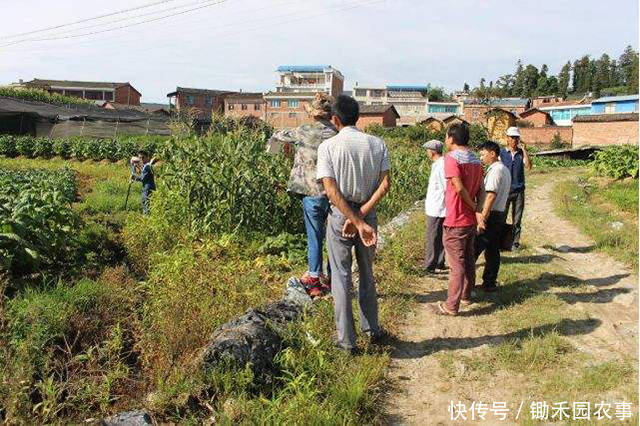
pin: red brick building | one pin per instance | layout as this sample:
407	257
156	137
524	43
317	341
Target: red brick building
605	129
245	104
121	93
204	102
383	115
287	109
536	118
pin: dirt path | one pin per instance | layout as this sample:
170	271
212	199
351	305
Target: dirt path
604	296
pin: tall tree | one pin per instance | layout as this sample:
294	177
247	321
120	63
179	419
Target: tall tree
542	88
626	63
465	88
518	80
632	83
615	76
504	85
563	80
530	85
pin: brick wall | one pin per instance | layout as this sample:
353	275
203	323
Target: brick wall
544	135
537	119
284	117
204	111
127	96
388	119
605	133
475	114
233	108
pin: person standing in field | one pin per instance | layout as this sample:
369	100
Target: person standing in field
463	172
497	183
302	182
516	159
354	169
435	207
148	181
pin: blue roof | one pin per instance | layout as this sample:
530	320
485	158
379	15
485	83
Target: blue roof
409	88
616	99
302	68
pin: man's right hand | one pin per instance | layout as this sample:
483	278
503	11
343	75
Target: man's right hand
367	234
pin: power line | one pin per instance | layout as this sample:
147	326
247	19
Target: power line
116	28
118	12
126	18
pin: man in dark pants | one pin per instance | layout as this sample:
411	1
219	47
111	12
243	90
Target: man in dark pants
147	179
435	207
497	183
516	159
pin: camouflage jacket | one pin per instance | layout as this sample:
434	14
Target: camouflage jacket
306	139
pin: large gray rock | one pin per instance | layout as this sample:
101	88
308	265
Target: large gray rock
130	418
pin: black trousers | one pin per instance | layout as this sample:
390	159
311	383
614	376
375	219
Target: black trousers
434	257
516	203
489	243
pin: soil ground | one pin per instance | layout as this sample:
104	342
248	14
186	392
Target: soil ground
599	316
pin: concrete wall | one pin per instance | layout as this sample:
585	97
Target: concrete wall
605	133
544	135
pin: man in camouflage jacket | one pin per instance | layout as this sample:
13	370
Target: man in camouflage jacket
306	139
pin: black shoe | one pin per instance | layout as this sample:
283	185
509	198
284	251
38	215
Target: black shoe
490	289
380	338
349	351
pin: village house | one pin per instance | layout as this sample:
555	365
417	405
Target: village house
297	85
203	102
453	119
244	105
409	101
122	93
563	113
474	110
615	104
433	123
535	118
605	129
382	115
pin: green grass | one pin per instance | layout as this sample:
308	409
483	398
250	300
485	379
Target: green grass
624	195
579	202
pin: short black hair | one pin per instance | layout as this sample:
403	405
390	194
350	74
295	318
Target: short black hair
347	110
142	152
490	146
459	132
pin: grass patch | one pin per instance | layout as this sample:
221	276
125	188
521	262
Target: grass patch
623	195
612	234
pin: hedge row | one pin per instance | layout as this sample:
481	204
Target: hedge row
78	148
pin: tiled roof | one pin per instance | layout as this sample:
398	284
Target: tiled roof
602	118
72	83
501	102
193	91
377	109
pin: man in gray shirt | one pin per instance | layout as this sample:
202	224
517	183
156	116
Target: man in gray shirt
354	169
497	183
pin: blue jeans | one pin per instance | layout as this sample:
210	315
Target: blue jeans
315	211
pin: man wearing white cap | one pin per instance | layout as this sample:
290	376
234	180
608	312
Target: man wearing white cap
435	207
516	159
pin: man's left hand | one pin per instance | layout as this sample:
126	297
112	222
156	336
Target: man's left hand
524	145
349	230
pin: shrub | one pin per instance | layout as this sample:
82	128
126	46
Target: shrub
558	143
8	146
616	162
62	148
43	148
25	145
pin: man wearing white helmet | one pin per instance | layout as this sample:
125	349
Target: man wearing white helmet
516	158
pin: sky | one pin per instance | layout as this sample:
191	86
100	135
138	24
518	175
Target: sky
237	44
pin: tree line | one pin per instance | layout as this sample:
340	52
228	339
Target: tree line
602	77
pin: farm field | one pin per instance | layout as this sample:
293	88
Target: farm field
110	310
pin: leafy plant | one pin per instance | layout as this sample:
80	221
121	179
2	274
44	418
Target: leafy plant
616	162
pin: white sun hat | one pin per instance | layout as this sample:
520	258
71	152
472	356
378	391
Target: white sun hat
513	131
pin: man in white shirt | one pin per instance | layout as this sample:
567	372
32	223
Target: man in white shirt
497	184
354	170
435	207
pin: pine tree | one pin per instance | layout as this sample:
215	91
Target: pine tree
563	80
542	88
518	83
465	88
632	83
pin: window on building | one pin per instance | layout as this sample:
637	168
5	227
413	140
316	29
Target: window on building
275	104
231	106
274	114
293	115
243	106
475	114
377	93
256	107
208	101
191	100
360	93
108	96
75	93
93	94
292	104
610	108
